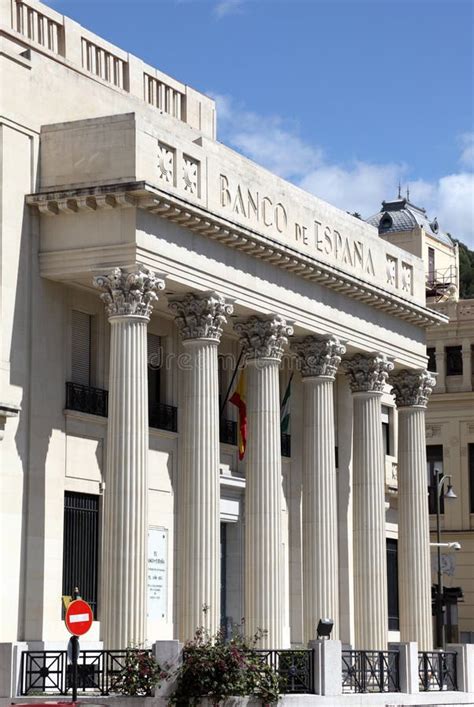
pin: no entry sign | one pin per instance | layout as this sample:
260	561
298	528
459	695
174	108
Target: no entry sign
78	617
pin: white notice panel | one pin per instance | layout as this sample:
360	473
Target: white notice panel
157	574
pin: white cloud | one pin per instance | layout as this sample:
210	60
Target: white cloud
268	140
226	7
354	186
467	154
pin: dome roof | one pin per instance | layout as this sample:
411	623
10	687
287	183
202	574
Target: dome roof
402	215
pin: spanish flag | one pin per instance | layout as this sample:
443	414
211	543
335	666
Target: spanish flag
239	400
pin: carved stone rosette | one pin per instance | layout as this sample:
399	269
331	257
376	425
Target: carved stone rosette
319	355
129	293
412	388
264	337
200	316
368	373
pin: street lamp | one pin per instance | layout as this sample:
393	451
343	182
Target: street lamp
440	479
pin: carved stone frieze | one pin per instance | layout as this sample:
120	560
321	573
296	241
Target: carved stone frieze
319	355
412	388
129	292
200	316
368	372
264	337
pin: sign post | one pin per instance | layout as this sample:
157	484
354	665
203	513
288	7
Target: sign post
78	621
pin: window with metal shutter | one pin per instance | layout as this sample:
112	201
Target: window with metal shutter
81	347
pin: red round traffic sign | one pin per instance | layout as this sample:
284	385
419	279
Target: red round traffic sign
79	617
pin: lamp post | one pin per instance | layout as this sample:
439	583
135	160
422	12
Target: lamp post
440	479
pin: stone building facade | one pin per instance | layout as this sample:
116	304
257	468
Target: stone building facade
139	257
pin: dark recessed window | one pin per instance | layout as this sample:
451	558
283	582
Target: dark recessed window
392	585
386	430
434	462
431	353
471	474
453	361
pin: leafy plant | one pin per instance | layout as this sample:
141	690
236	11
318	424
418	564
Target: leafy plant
140	675
216	668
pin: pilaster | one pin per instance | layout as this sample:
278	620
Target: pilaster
467	365
199	318
412	390
319	358
263	340
129	298
367	378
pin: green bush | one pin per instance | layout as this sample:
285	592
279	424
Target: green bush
216	668
141	674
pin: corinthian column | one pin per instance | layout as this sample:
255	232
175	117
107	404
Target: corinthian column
412	390
263	340
367	378
128	297
319	359
199	318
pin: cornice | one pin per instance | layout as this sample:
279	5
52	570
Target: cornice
147	197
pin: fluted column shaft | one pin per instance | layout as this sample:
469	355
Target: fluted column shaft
413	530
129	298
411	390
262	340
126	499
319	357
367	378
320	553
263	505
199	318
370	553
199	538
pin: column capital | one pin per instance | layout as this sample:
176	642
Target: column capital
368	373
319	356
200	315
264	337
129	292
412	388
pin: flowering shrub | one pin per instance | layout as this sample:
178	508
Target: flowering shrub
140	675
216	668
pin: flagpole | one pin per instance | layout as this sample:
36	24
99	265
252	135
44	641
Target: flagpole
221	411
286	391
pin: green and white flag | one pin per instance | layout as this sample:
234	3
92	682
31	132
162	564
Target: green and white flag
285	409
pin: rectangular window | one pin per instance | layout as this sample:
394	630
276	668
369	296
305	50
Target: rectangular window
81	546
81	345
392	585
386	429
453	361
434	462
471	475
431	264
431	353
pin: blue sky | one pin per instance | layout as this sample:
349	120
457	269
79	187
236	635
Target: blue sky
343	97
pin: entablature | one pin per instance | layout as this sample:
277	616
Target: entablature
171	207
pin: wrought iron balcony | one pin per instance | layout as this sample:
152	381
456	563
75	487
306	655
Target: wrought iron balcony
84	398
228	431
285	445
163	417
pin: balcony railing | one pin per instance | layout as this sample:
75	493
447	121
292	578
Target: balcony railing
285	445
50	673
163	417
228	431
38	27
437	671
164	97
84	398
370	671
